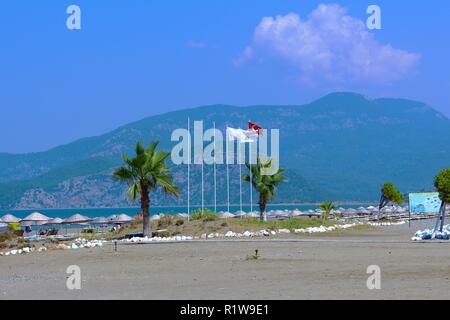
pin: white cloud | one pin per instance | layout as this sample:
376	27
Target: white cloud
330	46
245	56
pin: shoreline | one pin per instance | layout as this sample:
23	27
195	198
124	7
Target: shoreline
255	206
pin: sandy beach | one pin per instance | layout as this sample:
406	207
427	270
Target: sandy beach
296	267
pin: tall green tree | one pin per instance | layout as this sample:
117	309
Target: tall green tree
265	185
389	194
326	208
145	173
442	184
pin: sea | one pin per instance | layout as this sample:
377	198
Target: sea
105	212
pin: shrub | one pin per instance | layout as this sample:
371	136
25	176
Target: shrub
165	221
205	215
164	234
4	236
179	222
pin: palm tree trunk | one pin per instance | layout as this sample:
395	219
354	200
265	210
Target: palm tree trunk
262	208
145	205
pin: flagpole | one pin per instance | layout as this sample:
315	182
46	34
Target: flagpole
188	169
215	171
251	175
228	171
240	175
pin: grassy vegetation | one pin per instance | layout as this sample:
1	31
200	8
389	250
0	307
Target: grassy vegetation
210	223
205	215
296	223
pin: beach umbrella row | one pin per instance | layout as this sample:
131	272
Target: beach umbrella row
37	218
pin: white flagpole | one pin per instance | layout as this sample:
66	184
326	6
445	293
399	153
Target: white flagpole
188	170
215	177
251	175
228	172
240	175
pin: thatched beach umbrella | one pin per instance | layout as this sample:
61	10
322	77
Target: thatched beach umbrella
100	220
226	215
76	219
252	215
9	218
239	214
121	218
54	222
155	217
296	213
34	218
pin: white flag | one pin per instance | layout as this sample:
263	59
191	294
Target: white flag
243	136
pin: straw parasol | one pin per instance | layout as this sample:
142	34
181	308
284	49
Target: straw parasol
155	217
100	220
54	222
252	215
121	218
34	218
239	214
9	218
77	219
226	215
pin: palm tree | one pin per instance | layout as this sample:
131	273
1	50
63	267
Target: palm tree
265	185
145	173
327	208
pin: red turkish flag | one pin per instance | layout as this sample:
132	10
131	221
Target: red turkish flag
255	127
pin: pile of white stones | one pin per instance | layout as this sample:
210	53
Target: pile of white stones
22	251
430	234
83	243
156	239
386	224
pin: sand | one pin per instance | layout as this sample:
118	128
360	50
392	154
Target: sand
319	267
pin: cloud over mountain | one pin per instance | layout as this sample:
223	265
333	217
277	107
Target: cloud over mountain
330	46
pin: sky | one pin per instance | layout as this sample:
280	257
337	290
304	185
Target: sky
136	58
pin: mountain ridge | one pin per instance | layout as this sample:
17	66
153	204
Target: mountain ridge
341	147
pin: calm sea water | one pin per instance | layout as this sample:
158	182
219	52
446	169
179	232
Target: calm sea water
105	212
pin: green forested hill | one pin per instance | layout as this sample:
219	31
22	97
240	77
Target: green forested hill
340	147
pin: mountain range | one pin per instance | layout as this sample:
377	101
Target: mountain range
340	147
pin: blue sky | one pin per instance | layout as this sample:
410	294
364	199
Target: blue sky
133	59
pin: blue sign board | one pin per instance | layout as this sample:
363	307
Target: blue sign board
424	202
